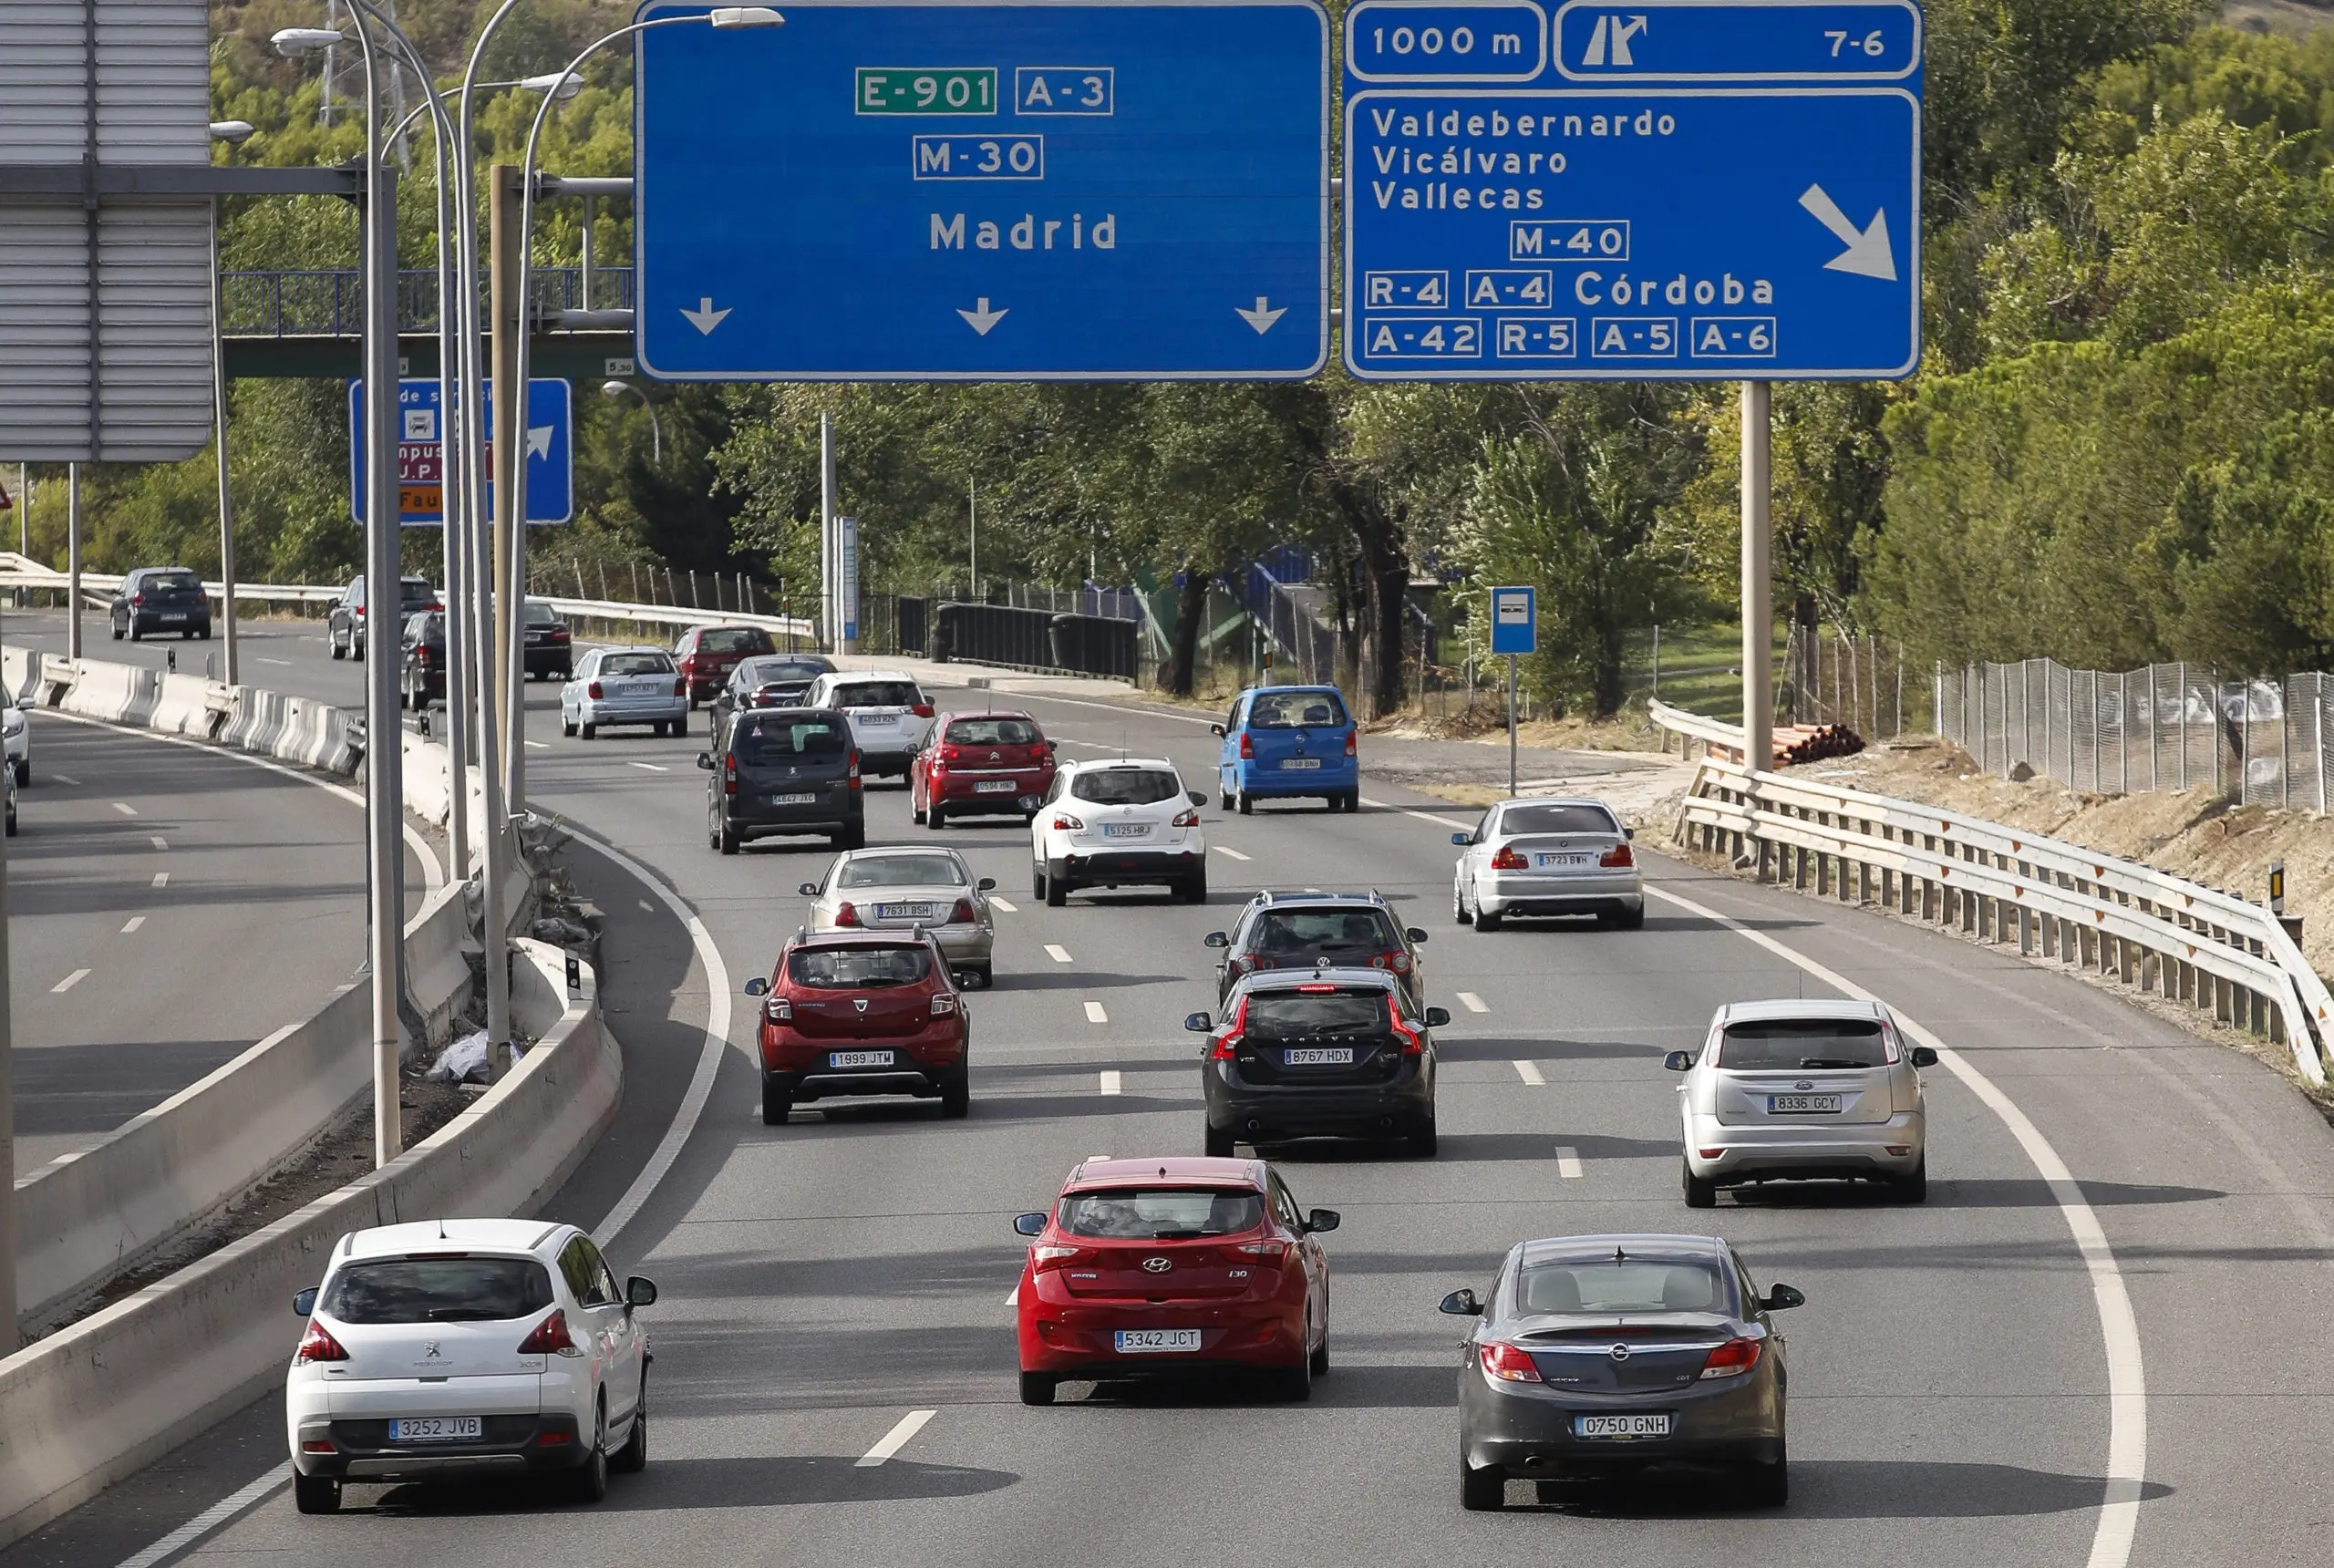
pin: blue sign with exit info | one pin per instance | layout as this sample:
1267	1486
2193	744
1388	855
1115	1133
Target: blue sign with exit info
958	189
1662	190
550	436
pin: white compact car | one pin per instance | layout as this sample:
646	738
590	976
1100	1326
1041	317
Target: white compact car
1124	823
466	1348
19	737
1797	1088
1547	857
888	712
626	685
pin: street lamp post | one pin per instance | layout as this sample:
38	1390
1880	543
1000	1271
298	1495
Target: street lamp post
656	434
235	133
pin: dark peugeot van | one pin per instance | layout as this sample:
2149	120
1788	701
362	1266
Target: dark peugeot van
784	770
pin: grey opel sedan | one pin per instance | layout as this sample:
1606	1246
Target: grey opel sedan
1600	1356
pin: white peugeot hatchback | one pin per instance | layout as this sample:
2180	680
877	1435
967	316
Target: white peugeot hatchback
1127	822
461	1348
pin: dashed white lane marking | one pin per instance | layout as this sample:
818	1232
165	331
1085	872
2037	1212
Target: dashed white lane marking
1112	1080
1472	1003
996	903
162	879
653	767
70	981
1529	1072
646	905
1013	1296
1421	816
1059	954
66	778
125	808
285	663
1312	889
1228	849
134	921
896	1438
538	746
1568	1162
1094	1013
216	1516
159	841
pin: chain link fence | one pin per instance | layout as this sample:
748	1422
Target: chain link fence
2260	742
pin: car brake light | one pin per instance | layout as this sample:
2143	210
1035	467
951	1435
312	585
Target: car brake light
1349	743
949	754
778	1010
1190	818
1066	824
1507	860
846	916
1508	1363
854	778
594	691
1399	962
559	635
944	1005
1227	1045
1413	1046
963	913
318	1344
1713	1153
551	1337
423	655
1247	747
1273	1252
138	598
1618	855
1732	1359
729	773
1317	990
554	1439
1042	1259
317	1446
681	687
921	710
688	663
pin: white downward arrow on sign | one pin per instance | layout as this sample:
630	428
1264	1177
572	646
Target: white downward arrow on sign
1261	318
539	440
1868	254
983	318
704	318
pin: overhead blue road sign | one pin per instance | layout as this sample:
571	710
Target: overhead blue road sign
421	451
952	190
1515	621
1519	208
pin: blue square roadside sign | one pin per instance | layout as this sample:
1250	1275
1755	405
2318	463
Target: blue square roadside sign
1515	621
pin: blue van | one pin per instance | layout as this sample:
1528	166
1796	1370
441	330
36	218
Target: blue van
1284	742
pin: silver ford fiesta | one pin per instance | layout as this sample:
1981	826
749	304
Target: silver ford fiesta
1599	1356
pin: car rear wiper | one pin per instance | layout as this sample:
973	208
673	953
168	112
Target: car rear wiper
462	1315
1819	1062
1181	1235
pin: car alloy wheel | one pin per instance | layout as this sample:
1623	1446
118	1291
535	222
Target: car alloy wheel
633	1457
591	1479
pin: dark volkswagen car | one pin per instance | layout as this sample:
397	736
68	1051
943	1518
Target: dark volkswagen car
551	646
1333	1053
423	679
784	770
1599	1356
161	599
1299	931
345	622
767	680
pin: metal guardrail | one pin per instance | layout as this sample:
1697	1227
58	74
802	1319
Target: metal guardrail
330	303
2055	900
1689	728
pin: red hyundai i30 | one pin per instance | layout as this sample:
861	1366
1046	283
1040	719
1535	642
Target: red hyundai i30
1152	1268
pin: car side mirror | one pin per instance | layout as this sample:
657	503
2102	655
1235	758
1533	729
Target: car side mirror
1217	939
639	1292
1437	1016
1462	839
1462	1304
1199	1023
1628	832
1196	798
1323	1220
808	890
1215	729
705	760
1414	935
968	979
986	883
1923	1057
304	1304
1678	1061
758	986
1781	1298
1029	1224
1051	747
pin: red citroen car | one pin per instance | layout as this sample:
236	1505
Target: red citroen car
707	653
983	761
1151	1268
849	1013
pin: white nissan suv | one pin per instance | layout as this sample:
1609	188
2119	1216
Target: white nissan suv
463	1349
1127	822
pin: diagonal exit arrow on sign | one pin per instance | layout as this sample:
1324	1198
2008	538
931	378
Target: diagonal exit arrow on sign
1868	253
539	440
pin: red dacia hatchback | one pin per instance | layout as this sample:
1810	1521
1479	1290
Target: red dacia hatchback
1151	1268
852	1014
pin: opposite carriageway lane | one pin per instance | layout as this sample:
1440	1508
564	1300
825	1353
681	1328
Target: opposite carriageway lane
826	1280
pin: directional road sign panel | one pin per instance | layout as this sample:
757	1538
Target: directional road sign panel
1660	189
421	451
952	190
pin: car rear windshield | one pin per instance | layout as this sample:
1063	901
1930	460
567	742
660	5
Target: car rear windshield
1296	710
858	968
174	580
1557	819
1291	933
437	1290
1804	1045
733	639
1161	1213
1125	785
1625	1285
1299	1016
877	694
772	672
993	732
541	615
417	591
903	870
637	665
763	740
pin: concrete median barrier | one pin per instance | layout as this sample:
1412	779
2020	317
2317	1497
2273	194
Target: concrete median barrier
95	1402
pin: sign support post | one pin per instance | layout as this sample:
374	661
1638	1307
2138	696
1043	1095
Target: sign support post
1515	631
829	576
73	561
1511	726
1758	592
233	669
384	733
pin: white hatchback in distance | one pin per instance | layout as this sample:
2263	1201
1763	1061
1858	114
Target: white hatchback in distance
888	712
466	1348
1127	822
626	685
1799	1089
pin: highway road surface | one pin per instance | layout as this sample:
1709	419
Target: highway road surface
2089	1348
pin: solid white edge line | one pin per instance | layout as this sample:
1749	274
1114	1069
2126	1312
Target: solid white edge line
1529	1073
2127	1408
1472	1003
1567	1163
1095	1014
1113	1083
217	1516
892	1441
